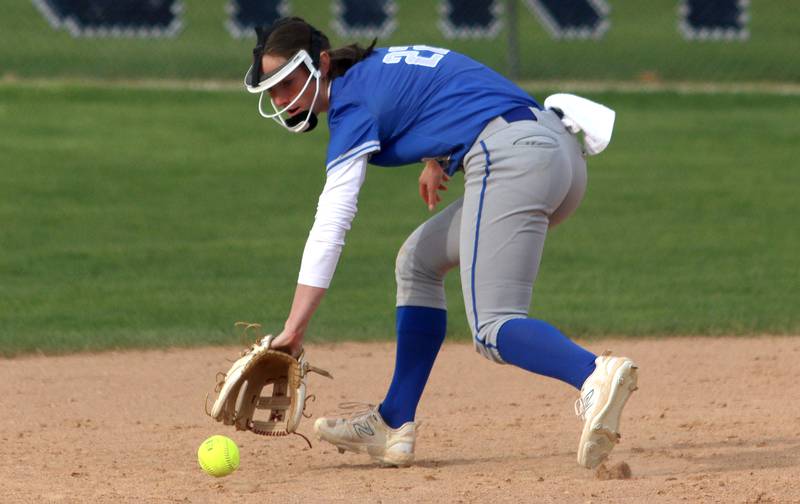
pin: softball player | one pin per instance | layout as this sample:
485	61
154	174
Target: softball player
524	172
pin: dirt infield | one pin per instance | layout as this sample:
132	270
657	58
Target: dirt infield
715	420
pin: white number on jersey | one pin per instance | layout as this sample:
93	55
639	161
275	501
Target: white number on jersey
411	55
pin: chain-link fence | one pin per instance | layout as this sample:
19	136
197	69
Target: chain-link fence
685	40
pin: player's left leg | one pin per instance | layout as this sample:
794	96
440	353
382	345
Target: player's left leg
388	432
422	262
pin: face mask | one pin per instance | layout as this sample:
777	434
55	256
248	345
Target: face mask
255	83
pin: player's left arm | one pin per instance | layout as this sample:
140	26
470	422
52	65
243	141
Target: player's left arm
306	300
335	213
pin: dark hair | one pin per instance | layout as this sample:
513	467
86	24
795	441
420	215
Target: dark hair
292	34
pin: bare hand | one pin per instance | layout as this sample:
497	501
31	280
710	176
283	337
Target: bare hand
431	180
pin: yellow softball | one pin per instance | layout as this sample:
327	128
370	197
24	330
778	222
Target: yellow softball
218	456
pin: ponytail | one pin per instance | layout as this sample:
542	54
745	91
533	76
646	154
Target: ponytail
289	35
345	57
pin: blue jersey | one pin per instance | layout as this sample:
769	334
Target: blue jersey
403	104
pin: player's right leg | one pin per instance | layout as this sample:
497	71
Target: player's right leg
603	395
518	177
521	179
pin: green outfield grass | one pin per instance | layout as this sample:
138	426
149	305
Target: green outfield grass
642	43
155	217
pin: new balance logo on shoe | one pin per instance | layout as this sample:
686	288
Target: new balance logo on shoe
363	429
584	403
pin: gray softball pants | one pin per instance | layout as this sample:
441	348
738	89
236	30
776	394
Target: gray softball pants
521	178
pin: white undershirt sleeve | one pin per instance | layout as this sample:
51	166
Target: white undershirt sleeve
335	212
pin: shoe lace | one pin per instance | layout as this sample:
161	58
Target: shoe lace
355	410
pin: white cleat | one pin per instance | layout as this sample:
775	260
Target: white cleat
366	432
603	396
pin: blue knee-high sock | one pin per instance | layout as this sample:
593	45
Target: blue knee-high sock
420	333
541	348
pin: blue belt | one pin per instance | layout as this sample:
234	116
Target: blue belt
519	114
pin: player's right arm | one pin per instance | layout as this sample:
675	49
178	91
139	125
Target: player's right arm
432	179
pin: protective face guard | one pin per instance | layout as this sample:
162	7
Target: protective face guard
255	82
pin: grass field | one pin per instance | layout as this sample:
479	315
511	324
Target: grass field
150	217
640	42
